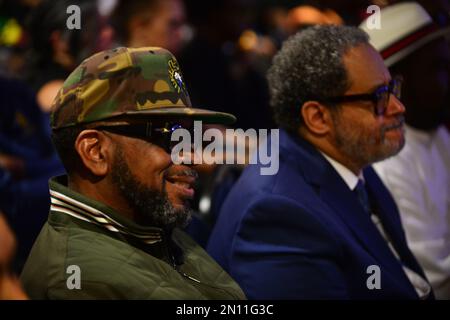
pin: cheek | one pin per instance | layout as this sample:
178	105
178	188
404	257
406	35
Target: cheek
172	194
149	164
175	196
366	127
368	132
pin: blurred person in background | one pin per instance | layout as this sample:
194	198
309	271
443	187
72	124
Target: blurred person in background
27	157
218	70
56	50
27	161
144	23
350	12
10	288
13	38
416	48
305	15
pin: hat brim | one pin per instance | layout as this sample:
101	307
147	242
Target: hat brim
204	115
393	59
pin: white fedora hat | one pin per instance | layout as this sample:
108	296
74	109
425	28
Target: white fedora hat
405	27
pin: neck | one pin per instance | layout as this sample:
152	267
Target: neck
326	146
102	192
353	166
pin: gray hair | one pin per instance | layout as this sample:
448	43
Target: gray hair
310	64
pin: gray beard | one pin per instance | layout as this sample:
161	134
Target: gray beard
356	146
151	207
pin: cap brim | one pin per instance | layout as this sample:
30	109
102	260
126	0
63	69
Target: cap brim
204	115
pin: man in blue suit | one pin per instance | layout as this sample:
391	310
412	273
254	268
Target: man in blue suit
324	226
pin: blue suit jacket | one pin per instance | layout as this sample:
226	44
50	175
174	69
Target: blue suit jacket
302	234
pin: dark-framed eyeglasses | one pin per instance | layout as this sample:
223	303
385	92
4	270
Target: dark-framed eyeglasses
158	135
380	97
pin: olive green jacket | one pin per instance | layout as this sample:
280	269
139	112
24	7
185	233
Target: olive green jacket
87	251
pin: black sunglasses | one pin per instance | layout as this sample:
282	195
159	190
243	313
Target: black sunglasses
160	135
380	97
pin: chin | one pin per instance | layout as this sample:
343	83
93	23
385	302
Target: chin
398	146
389	150
180	207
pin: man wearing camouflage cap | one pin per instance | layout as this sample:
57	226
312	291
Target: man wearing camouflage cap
112	230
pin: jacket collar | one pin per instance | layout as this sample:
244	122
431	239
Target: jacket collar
69	202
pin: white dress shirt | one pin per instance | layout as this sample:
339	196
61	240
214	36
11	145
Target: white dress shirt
421	286
419	179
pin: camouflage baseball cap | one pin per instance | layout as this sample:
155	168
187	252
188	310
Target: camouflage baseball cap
127	82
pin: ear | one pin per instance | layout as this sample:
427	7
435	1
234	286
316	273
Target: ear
94	149
316	117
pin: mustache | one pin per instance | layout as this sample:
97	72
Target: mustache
400	122
182	173
189	173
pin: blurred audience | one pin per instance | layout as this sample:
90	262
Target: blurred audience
305	15
56	50
27	157
143	23
219	73
27	161
10	288
414	47
351	12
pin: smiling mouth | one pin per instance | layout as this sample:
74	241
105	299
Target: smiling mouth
184	185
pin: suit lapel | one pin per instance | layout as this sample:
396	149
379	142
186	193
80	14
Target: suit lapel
343	202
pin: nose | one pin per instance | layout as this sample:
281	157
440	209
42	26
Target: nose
395	106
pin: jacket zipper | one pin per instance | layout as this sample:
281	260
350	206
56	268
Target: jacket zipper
174	265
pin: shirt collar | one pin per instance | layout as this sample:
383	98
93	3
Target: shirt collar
350	179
